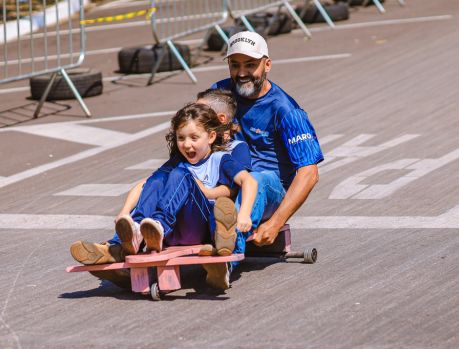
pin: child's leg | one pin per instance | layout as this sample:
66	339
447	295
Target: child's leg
149	197
183	212
269	196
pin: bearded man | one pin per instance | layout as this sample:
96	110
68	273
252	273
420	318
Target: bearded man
280	136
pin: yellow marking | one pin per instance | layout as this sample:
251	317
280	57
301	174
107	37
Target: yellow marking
122	17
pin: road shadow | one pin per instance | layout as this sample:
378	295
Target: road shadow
24	113
192	281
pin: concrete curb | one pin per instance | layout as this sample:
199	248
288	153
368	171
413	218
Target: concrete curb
31	24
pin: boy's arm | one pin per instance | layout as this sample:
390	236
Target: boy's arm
249	187
132	199
213	193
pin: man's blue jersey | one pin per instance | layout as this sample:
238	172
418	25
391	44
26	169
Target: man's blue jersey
278	132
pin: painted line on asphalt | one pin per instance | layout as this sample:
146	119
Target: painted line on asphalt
99	190
447	220
82	155
205	69
385	22
94	121
76	133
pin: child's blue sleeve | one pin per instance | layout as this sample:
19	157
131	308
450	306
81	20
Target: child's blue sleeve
241	153
229	168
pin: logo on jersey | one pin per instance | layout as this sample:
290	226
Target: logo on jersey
299	138
259	132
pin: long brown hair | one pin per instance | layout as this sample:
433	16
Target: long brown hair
202	115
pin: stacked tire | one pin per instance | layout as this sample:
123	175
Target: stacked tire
140	60
337	12
88	83
264	23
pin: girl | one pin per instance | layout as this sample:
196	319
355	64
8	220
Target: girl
184	216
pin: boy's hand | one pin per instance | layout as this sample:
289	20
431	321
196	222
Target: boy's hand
244	223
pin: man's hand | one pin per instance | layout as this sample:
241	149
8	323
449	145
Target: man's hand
266	233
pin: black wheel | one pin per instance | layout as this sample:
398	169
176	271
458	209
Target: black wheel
154	292
336	12
88	83
140	60
310	255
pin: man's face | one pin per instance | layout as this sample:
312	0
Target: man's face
248	74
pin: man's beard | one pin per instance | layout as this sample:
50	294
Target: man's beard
251	88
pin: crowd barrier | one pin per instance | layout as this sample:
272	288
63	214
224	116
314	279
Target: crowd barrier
174	19
35	42
242	8
380	7
58	47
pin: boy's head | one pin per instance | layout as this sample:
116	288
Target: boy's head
221	101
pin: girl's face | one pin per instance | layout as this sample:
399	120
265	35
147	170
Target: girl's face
193	141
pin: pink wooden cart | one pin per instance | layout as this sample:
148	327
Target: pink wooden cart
168	262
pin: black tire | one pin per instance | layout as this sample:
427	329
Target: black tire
88	83
215	41
283	25
336	12
280	24
140	60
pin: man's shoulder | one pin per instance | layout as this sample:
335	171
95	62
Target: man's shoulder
282	103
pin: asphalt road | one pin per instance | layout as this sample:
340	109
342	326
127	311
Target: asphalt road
382	93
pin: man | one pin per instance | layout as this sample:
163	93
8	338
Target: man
279	134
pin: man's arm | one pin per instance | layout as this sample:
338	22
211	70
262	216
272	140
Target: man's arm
132	199
303	183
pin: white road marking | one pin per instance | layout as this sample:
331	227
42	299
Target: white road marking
97	121
111	190
151	164
103	190
352	187
379	23
352	151
82	155
76	133
447	220
204	69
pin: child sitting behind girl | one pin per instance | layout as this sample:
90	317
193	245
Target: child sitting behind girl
184	216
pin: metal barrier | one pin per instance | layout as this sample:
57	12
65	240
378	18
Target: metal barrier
380	7
172	19
242	8
322	11
35	42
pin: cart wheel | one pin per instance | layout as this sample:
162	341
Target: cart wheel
310	255
154	292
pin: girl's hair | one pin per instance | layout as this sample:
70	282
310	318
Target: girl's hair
203	116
